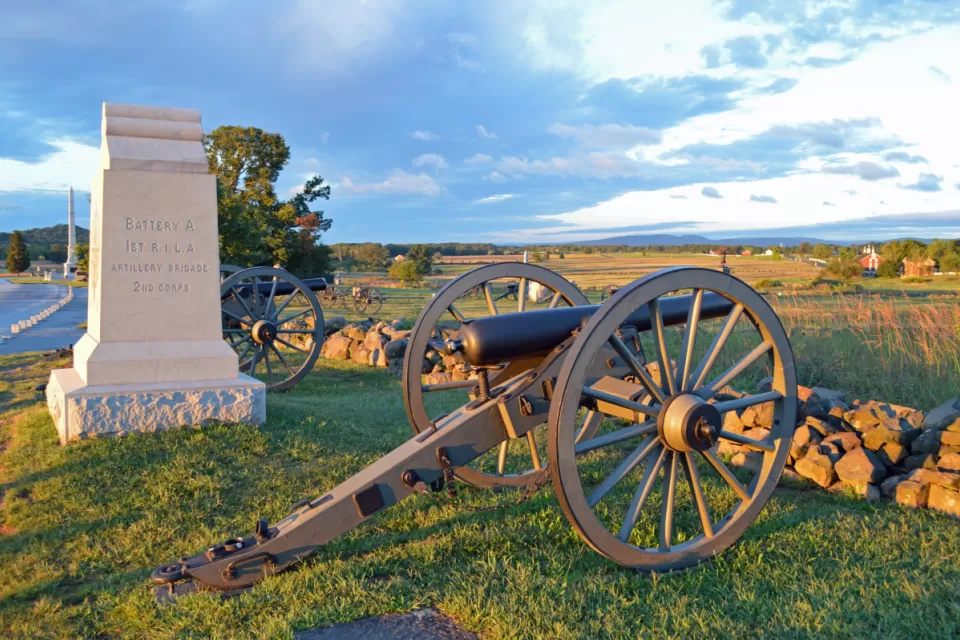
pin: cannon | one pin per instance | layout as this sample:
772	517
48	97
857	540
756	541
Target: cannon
273	321
564	392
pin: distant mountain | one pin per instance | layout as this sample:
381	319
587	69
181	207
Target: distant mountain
57	234
670	240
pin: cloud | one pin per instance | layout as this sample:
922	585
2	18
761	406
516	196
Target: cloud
478	158
746	51
827	203
711	56
482	132
497	198
939	73
903	156
779	85
399	183
678	196
430	160
324	137
864	170
71	163
606	135
710	192
462	38
425	136
495	176
767	199
925	182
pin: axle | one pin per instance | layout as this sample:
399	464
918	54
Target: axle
502	338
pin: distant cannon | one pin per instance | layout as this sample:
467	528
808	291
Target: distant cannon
564	392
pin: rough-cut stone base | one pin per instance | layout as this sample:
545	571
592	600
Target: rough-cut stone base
81	412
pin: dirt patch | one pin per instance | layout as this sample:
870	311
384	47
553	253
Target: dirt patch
426	624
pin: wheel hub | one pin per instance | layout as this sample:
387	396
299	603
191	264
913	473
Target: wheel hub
264	332
688	423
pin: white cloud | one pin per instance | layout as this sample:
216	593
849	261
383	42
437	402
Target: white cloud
462	38
606	135
399	183
478	158
430	160
324	137
482	132
495	176
496	198
425	136
71	164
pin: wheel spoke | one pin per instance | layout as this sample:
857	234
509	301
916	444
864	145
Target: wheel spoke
243	303
748	401
641	495
725	473
693	478
231	314
245	352
502	457
522	295
555	300
591	422
266	360
689	338
240	342
293	317
642	429
638	369
663	354
590	392
292	346
666	509
714	387
282	359
533	450
236	330
300	331
629	464
715	347
289	299
253	361
456	314
491	304
748	442
443	386
273	292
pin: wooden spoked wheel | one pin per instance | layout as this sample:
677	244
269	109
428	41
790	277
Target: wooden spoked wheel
274	323
367	300
515	462
608	291
656	495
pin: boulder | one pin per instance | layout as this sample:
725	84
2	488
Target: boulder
944	415
846	441
890	430
360	353
888	488
378	359
865	419
355	332
460	372
860	465
396	334
333	324
929	476
946	450
757	434
336	347
751	460
822	400
871	493
395	349
397	323
920	461
760	415
803	438
944	500
816	467
950	462
732	422
375	340
395	368
828	449
835	418
823	428
436	378
892	454
727	448
927	442
950	438
954	427
911	494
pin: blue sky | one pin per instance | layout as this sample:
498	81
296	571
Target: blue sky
514	121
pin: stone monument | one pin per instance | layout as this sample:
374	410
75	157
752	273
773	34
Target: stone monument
153	356
70	266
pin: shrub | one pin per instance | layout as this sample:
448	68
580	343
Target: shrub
406	271
766	283
888	269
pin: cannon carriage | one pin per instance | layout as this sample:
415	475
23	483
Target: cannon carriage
622	406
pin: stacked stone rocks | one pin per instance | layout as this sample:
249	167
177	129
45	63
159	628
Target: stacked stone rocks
878	450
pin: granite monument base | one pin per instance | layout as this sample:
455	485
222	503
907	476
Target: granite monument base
81	412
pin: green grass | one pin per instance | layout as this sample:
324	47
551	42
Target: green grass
84	525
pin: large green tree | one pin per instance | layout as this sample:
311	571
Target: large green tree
419	256
256	226
18	259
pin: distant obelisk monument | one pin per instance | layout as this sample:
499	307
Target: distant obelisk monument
153	356
70	266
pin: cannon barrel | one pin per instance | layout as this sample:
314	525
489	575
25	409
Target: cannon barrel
513	336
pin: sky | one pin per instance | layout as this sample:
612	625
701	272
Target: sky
512	121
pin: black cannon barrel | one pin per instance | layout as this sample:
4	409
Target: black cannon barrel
283	288
512	336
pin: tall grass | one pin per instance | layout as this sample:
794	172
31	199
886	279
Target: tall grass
874	347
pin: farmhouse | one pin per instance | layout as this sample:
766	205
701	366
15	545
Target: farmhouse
400	258
746	252
871	262
918	267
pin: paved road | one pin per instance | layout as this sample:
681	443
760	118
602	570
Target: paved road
20	301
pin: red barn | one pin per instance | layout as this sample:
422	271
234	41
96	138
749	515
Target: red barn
871	261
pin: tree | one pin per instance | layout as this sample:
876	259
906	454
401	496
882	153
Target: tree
341	251
822	252
372	255
844	268
255	226
888	269
950	262
83	258
57	253
804	248
420	257
18	259
405	271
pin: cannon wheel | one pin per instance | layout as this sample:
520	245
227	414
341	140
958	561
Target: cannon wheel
367	300
606	491
428	335
274	341
608	291
227	270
